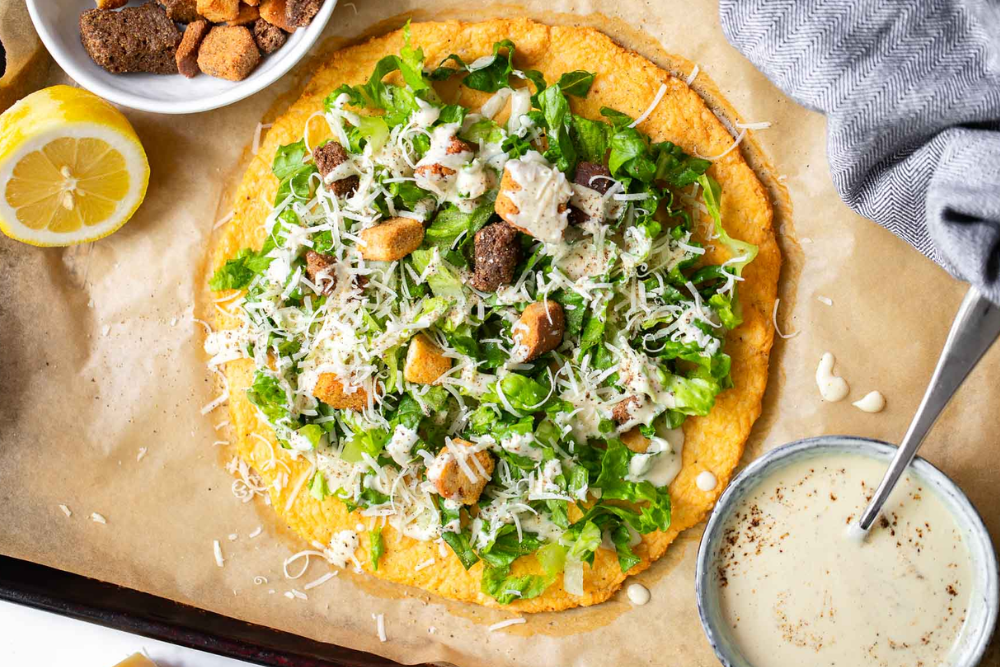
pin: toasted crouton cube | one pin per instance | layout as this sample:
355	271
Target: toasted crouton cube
630	411
593	175
435	176
228	52
300	13
504	205
182	11
134	39
331	391
187	51
219	11
497	252
328	157
622	412
451	477
636	441
322	270
508	210
425	362
247	14
273	11
391	240
269	37
539	330
111	4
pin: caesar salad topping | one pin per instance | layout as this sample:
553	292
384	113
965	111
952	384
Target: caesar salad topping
486	326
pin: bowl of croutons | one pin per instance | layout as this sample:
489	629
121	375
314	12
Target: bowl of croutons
178	56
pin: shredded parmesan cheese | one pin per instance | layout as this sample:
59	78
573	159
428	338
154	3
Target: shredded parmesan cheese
319	582
226	218
656	101
774	319
506	624
739	140
217	550
693	75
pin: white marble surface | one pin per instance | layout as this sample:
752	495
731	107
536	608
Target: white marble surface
32	638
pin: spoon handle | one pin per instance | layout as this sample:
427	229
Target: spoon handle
974	330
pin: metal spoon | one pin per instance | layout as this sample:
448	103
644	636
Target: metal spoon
976	327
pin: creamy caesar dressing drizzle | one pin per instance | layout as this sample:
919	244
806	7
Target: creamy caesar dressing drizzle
661	462
451	171
794	589
638	594
706	481
542	198
873	401
831	387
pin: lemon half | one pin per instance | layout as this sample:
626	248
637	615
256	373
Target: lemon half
72	169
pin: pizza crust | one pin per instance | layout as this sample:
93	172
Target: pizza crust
624	81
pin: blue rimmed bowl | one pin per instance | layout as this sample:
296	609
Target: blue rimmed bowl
983	604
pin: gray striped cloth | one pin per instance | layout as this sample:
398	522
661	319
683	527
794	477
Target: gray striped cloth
911	91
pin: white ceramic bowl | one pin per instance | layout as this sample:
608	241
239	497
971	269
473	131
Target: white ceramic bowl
58	25
983	604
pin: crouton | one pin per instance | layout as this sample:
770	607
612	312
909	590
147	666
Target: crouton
328	157
539	330
269	37
187	51
247	14
135	39
252	3
331	391
111	4
433	172
320	269
497	252
451	477
431	176
507	209
228	52
622	413
219	11
391	240
456	146
594	176
504	205
182	11
273	11
300	13
635	440
425	362
589	175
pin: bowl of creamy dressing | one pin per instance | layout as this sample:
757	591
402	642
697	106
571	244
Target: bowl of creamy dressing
782	579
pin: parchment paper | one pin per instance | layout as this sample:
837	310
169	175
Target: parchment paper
100	360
